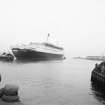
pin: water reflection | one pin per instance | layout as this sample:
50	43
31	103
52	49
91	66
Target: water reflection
37	61
98	91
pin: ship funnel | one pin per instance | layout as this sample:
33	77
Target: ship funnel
48	36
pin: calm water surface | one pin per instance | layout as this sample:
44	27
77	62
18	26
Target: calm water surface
52	82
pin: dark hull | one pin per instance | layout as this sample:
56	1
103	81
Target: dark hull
34	55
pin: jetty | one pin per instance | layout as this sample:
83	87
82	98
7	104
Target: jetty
98	73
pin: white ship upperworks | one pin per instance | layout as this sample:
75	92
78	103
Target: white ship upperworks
38	51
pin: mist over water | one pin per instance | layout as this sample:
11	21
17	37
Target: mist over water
64	82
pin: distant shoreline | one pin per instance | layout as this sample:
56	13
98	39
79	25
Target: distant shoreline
93	58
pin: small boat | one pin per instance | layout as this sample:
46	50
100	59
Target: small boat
6	57
98	73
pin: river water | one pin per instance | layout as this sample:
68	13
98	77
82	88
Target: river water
65	82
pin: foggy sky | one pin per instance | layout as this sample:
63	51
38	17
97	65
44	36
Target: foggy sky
77	25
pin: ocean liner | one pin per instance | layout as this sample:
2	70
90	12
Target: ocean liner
38	51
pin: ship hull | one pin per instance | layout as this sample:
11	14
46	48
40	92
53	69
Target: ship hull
35	55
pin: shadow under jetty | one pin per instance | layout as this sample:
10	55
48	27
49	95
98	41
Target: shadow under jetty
98	91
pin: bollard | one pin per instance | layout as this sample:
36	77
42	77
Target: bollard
10	93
